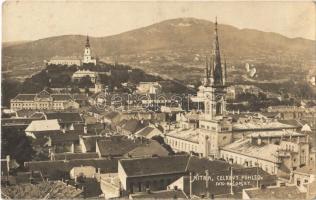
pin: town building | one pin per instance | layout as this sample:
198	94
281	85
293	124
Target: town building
43	101
274	192
149	88
69	61
41	128
78	75
275	153
156	173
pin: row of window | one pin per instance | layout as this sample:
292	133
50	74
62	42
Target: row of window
181	145
32	105
248	163
152	185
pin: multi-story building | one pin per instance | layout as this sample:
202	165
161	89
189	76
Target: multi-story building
273	152
85	73
43	101
57	60
148	88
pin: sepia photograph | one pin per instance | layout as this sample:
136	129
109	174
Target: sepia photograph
158	99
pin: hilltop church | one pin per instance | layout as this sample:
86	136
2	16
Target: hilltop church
87	58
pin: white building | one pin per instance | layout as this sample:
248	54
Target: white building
84	73
148	88
65	61
43	101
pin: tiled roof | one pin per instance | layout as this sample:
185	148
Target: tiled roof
292	122
15	121
260	126
90	141
65	117
25	97
133	125
163	194
145	131
117	146
64	137
191	135
285	192
199	165
61	97
148	148
43	125
51	168
155	165
245	147
72	156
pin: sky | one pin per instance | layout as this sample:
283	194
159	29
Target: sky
32	20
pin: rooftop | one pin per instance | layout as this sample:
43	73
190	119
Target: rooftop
73	156
43	125
169	165
56	168
285	192
191	135
256	125
245	147
163	194
65	117
285	133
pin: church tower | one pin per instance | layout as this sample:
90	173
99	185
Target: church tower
87	52
215	127
215	93
87	58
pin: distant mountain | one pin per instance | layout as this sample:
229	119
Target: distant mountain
173	39
7	44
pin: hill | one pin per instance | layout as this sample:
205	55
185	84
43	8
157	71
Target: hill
163	46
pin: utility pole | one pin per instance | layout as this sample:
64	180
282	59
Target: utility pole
231	181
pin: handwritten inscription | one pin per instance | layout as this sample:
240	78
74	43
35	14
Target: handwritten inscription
227	180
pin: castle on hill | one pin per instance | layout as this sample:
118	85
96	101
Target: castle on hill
87	58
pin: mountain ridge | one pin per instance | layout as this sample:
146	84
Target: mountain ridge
170	38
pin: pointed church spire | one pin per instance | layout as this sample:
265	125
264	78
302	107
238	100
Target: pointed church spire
217	72
225	73
207	74
87	43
